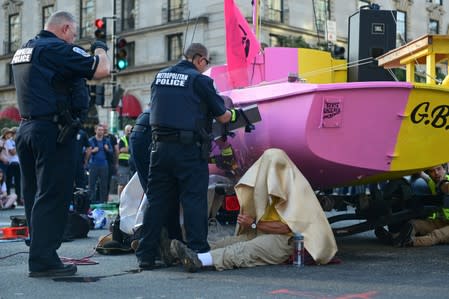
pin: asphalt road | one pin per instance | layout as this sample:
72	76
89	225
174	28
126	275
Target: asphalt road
368	270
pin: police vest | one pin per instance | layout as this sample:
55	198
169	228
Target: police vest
124	156
174	103
39	95
433	190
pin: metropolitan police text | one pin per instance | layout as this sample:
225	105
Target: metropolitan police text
22	55
171	79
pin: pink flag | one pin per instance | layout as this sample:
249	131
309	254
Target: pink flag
242	45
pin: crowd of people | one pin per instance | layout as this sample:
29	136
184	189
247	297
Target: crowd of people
94	171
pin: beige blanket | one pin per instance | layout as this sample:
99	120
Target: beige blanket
274	174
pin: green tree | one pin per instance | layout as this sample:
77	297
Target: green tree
6	122
293	42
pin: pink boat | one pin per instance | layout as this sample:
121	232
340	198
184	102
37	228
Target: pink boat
341	133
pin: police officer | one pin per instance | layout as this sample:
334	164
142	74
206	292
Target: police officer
45	71
140	141
183	105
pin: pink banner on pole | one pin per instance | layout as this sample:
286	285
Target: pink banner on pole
242	45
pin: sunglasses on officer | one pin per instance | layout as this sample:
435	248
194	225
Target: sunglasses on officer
201	57
207	60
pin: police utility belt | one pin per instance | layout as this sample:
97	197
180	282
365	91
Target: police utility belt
52	118
139	128
183	137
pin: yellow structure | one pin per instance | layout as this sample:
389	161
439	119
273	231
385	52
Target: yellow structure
428	49
316	66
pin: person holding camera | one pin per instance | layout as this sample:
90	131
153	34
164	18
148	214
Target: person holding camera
97	155
45	70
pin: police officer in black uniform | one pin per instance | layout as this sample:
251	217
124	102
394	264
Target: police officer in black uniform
183	105
140	141
46	71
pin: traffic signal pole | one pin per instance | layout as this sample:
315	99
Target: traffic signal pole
113	78
101	34
114	62
114	20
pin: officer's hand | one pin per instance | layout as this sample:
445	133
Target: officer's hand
95	149
106	147
98	44
235	114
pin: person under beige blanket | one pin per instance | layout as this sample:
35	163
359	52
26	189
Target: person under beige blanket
276	201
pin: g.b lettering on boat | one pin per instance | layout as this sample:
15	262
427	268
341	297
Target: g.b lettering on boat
436	116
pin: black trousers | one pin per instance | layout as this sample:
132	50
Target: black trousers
139	144
177	175
140	153
47	186
80	173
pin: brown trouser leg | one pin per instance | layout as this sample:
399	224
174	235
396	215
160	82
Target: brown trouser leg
430	232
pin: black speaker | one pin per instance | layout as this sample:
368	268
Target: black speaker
372	33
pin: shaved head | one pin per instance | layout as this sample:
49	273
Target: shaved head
59	18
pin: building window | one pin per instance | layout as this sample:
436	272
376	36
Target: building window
275	10
46	13
174	46
433	27
175	8
128	15
11	75
130	49
401	28
13	42
87	18
321	9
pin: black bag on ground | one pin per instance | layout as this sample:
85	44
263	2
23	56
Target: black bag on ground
78	223
80	201
78	226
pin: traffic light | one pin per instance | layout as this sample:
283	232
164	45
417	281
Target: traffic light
120	54
96	93
99	97
101	32
92	95
117	95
